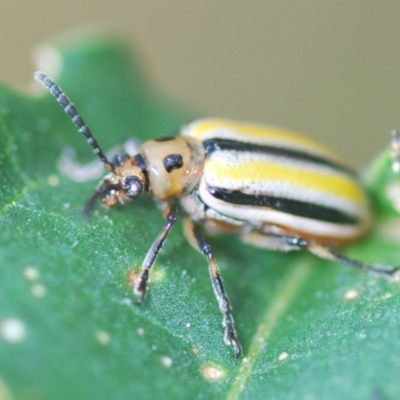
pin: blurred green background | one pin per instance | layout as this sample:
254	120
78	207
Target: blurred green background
328	69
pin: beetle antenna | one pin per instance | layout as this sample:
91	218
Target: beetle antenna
70	109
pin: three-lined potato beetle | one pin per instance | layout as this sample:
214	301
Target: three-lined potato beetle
275	189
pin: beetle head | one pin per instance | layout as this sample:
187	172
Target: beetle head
127	175
126	181
168	167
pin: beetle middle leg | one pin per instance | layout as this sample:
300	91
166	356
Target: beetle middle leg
199	242
284	242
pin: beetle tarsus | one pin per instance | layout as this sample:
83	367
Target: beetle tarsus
230	337
141	287
390	273
238	347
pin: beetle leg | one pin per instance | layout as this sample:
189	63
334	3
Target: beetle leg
289	242
199	242
141	282
273	241
390	273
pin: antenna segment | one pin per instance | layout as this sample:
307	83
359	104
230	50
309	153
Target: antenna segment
70	109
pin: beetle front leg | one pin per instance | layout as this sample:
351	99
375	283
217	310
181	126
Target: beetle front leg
199	242
140	283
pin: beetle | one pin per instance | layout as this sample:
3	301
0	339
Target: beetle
274	188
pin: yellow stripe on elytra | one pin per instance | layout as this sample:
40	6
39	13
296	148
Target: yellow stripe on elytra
270	134
338	185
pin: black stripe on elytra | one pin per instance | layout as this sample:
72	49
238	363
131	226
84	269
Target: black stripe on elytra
288	206
211	145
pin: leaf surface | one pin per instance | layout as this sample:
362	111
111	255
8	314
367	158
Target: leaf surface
310	329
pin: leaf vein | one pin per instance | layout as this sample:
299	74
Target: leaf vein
287	292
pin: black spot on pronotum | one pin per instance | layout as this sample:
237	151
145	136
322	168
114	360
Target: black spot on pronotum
173	161
165	138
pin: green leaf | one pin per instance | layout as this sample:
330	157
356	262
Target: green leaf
69	326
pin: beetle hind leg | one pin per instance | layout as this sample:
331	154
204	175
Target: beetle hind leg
387	272
284	242
199	242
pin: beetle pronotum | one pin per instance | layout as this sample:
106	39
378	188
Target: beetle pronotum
276	189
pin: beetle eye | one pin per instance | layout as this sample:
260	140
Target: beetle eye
133	186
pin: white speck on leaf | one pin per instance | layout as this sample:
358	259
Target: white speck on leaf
103	337
31	273
195	351
351	294
38	290
362	335
140	331
12	330
386	296
126	301
283	356
53	180
213	372
166	361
